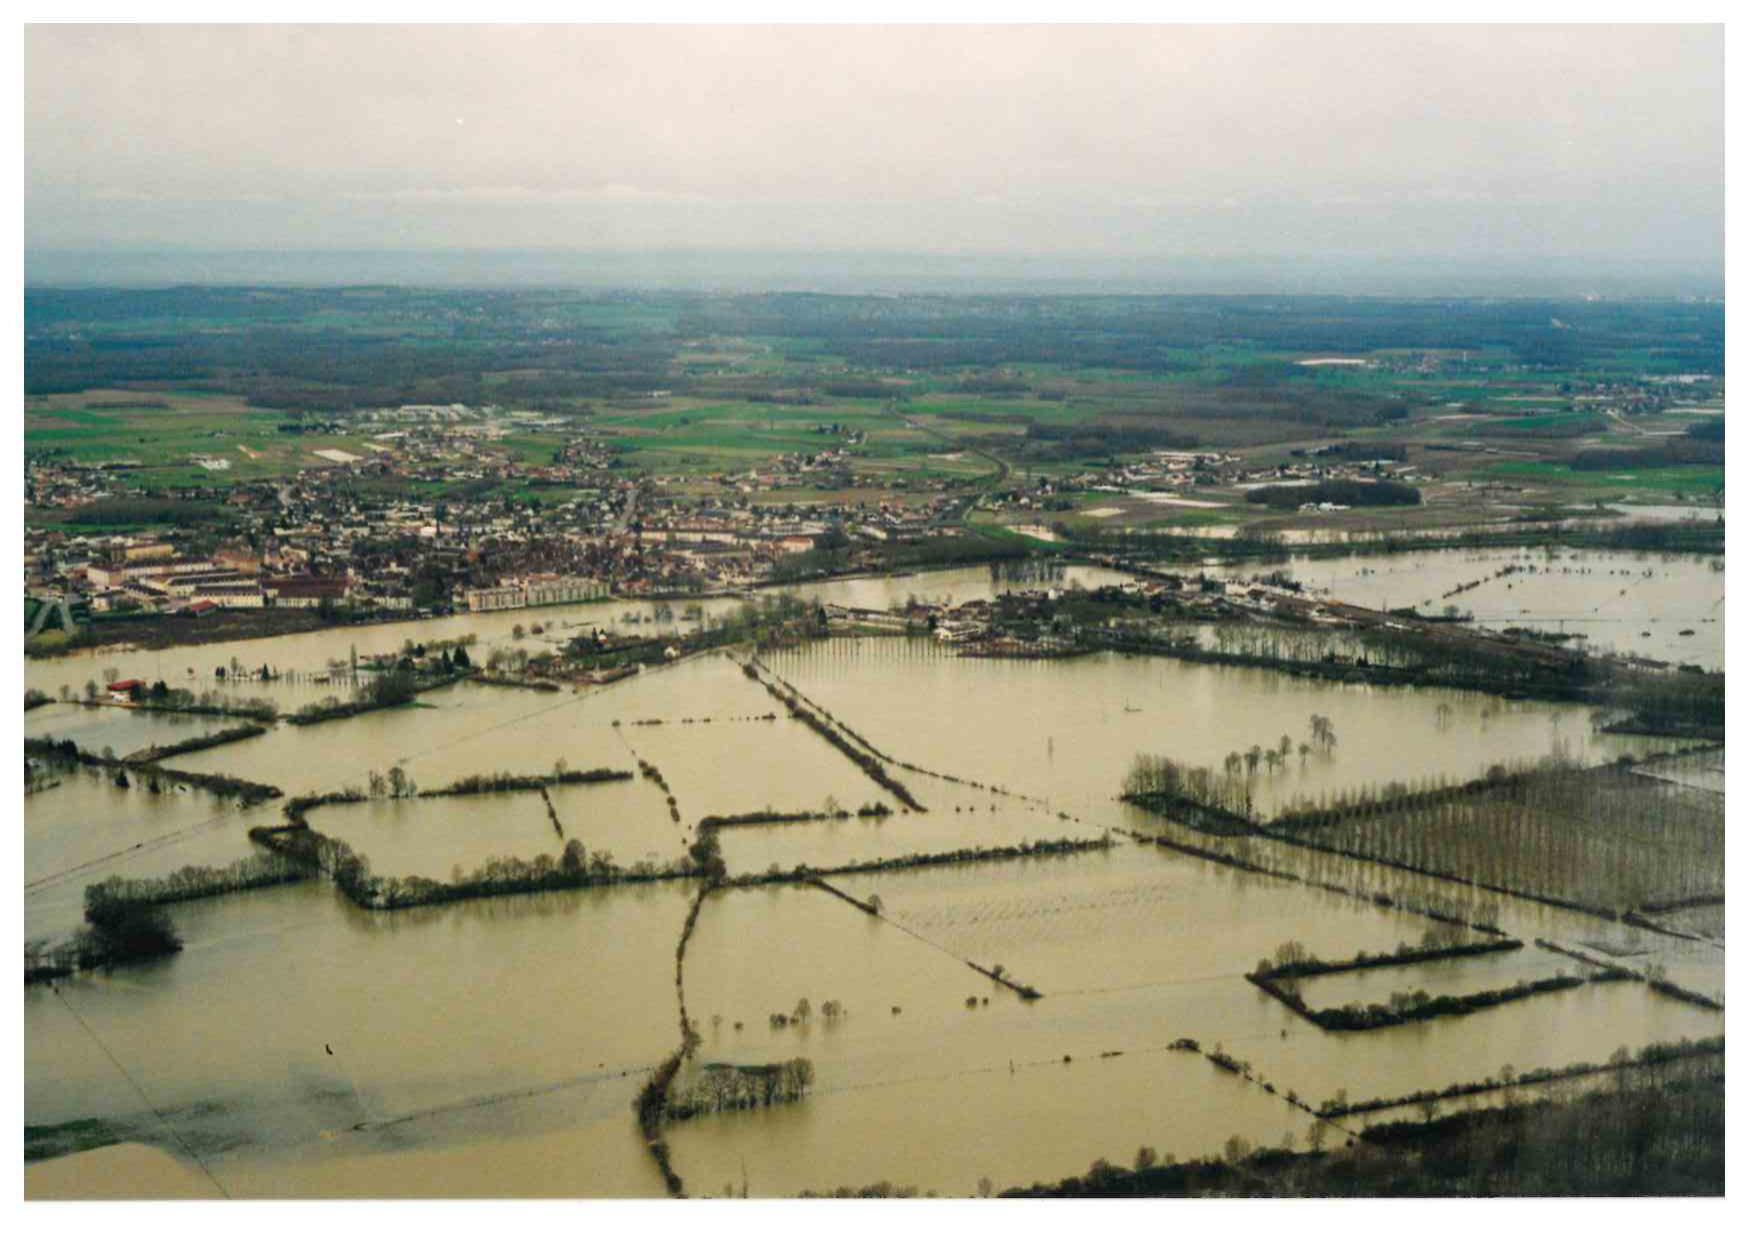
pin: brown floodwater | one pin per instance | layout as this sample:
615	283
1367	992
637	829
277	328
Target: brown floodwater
428	837
96	728
1658	606
946	1133
1067	730
300	1046
86	829
126	1172
958	817
294	1029
626	818
922	1037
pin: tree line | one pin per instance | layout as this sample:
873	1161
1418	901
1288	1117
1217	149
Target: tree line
1602	839
1350	493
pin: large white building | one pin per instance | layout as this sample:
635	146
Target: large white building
542	590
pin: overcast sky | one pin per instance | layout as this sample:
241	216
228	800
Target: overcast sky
1392	142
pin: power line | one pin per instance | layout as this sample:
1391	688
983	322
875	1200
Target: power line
37	885
128	1077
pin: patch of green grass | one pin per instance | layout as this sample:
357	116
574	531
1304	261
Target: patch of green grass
1688	479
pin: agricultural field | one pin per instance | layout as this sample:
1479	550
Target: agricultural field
159	438
684	385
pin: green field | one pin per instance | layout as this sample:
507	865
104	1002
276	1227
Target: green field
1690	480
120	426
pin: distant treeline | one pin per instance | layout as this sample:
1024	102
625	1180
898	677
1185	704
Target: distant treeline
124	510
157	753
932	551
559	350
1159	333
1667	453
68	752
957	856
504	781
1345	491
1152	547
771	818
498	876
197	882
1655	1055
1100	438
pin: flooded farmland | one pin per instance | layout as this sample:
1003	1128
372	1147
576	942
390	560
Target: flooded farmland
369	1037
1066	730
1668	607
974	1009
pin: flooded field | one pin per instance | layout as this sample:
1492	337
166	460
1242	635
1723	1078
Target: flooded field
116	728
1067	730
1701	771
949	1134
627	818
447	734
921	1040
1133	918
294	1033
958	817
302	1046
86	829
1667	607
1586	1024
430	836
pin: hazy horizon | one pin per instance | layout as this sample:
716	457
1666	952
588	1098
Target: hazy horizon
873	272
1581	158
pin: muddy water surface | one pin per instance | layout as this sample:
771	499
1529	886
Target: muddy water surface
1659	606
300	1046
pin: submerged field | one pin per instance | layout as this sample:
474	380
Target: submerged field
1066	731
1659	606
997	1016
